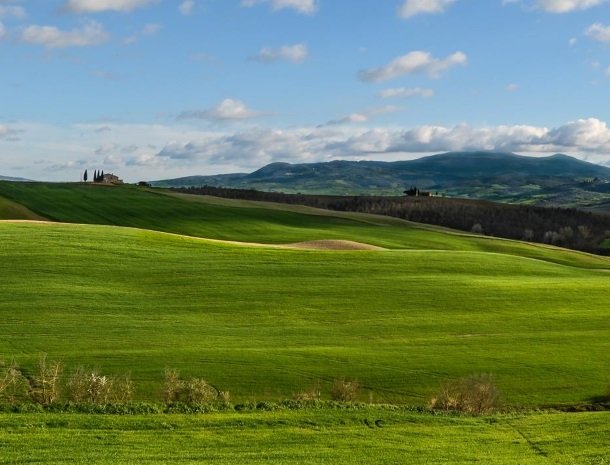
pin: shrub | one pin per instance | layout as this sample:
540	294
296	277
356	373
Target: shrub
308	395
44	386
345	390
476	394
13	384
173	385
122	389
89	386
199	391
192	391
477	228
78	385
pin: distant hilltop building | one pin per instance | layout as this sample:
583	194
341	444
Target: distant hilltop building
111	179
415	192
99	177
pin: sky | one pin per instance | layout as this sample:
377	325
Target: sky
157	89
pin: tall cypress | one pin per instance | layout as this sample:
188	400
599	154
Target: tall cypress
85	176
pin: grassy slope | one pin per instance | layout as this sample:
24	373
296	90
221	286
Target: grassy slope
266	323
254	221
14	211
305	437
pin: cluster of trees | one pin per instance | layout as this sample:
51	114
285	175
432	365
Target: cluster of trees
98	176
571	228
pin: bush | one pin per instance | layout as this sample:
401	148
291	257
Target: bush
475	395
172	385
89	386
198	391
308	395
44	386
192	391
13	384
344	390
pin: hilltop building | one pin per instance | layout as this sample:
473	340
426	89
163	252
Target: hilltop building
111	179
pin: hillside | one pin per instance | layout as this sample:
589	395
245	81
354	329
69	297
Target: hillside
265	322
554	180
260	222
399	321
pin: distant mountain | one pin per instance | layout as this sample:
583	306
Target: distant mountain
8	178
557	179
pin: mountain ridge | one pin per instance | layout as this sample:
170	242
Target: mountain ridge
557	179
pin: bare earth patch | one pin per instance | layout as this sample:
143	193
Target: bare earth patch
332	245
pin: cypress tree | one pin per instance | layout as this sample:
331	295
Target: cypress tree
85	176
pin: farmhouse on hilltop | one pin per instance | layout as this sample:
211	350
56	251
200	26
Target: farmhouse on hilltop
111	179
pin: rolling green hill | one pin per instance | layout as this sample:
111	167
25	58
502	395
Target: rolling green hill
265	323
244	221
130	280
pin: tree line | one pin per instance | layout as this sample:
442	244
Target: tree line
565	227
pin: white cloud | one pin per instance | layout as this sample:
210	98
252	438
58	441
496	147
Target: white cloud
599	32
566	6
512	87
415	7
227	110
413	63
363	117
147	31
293	53
406	92
187	7
91	33
2	30
307	7
152	151
254	148
12	11
99	6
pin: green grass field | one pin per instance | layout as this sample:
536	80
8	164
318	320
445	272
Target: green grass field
265	323
306	437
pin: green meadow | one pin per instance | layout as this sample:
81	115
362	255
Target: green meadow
306	437
127	280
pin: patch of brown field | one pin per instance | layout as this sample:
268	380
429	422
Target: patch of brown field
332	245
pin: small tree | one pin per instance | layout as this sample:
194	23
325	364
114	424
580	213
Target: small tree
85	176
44	386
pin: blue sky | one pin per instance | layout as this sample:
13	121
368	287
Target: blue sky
152	89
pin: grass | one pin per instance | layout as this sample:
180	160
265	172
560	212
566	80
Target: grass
15	211
266	323
312	437
255	221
